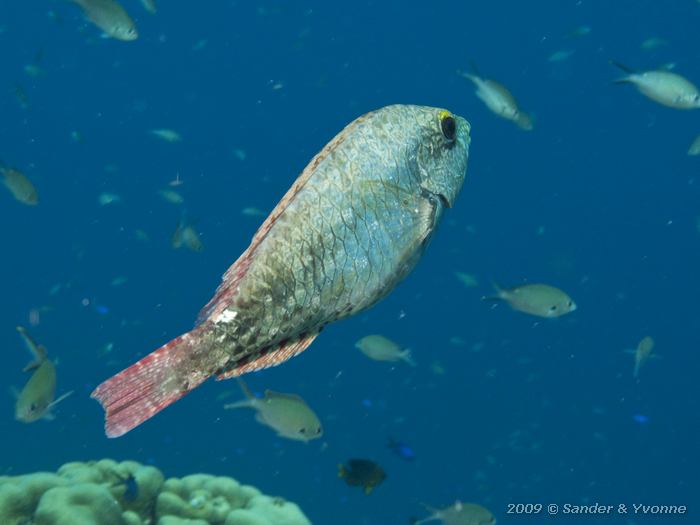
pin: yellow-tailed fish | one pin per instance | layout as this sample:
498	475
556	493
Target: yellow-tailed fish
286	414
363	473
662	86
36	399
541	300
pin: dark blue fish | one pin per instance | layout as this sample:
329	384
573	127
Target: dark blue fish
401	449
131	488
640	418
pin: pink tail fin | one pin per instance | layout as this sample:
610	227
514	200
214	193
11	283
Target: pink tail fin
147	387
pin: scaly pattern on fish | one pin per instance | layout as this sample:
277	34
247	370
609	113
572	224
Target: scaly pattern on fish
347	232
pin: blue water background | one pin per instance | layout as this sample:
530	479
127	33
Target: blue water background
599	199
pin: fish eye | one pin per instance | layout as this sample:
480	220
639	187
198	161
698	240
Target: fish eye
33	407
553	308
302	431
448	126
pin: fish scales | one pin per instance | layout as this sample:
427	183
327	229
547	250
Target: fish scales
350	228
317	260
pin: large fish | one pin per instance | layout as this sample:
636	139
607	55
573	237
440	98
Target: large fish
350	228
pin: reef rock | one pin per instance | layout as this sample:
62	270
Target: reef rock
106	492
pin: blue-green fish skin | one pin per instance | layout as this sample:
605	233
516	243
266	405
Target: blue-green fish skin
350	228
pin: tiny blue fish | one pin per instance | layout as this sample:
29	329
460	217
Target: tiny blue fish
131	487
640	418
401	449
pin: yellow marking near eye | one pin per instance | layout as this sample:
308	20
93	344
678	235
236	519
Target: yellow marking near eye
444	114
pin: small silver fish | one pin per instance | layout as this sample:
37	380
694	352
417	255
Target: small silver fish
36	399
20	186
694	149
541	300
499	100
150	6
171	196
186	236
662	86
459	514
642	354
380	348
110	17
168	135
287	414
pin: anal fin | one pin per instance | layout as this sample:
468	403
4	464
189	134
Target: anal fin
272	358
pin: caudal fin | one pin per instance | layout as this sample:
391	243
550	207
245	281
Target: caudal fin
147	387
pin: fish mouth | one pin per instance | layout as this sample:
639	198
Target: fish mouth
443	199
436	197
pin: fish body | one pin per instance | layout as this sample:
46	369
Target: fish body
150	6
694	149
187	236
110	17
662	86
541	300
171	196
362	473
106	198
287	414
379	348
168	135
460	514
130	487
499	100
352	226
401	449
19	186
38	395
642	354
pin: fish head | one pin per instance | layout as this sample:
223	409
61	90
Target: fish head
309	432
561	306
125	32
693	100
28	410
440	151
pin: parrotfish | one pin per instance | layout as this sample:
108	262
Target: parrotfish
351	227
